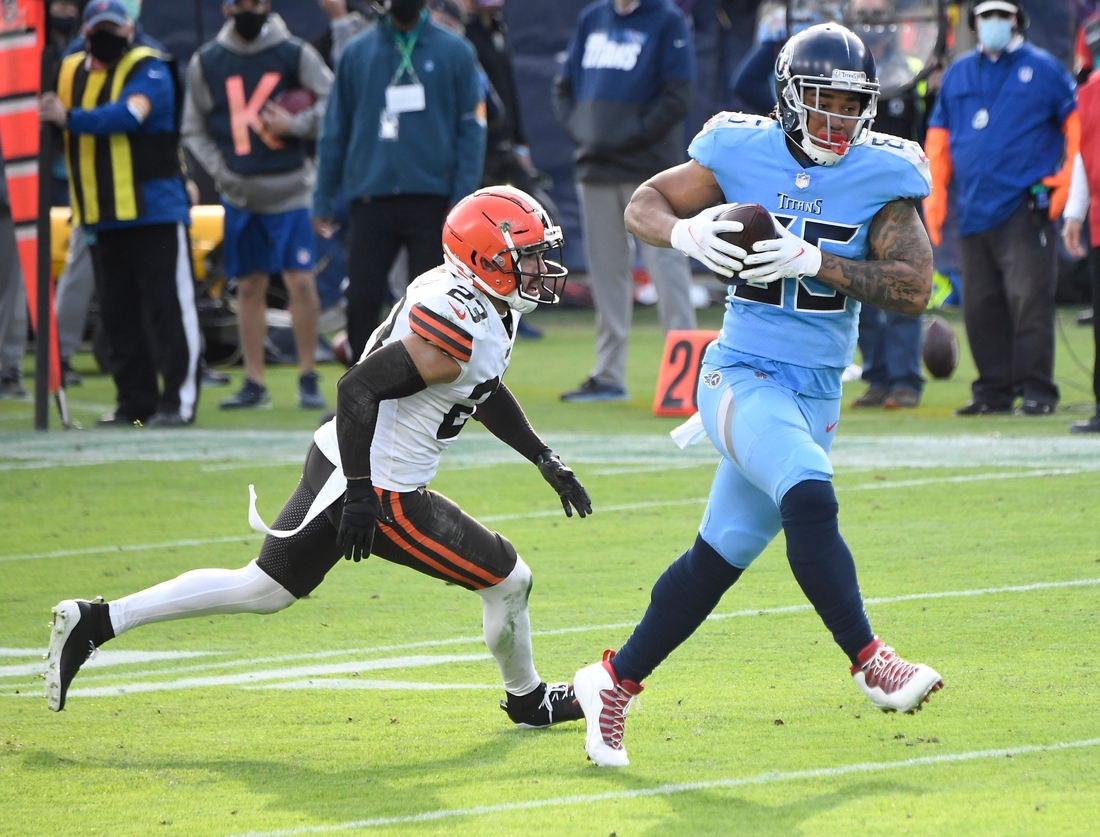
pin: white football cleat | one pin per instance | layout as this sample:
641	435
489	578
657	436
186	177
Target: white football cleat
890	683
604	699
71	645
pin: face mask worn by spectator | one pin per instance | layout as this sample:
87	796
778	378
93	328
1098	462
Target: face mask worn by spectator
107	46
249	24
994	32
405	12
63	24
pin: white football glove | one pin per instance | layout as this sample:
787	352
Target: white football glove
698	237
781	258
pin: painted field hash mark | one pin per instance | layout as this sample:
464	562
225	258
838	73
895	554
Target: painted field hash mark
685	787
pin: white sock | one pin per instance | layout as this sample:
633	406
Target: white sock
506	623
200	593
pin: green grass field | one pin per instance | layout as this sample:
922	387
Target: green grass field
371	706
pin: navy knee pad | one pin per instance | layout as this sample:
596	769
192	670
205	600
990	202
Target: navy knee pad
822	563
809	503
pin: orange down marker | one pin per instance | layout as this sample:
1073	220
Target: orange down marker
679	372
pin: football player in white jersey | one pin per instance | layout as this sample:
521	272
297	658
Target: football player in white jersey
436	361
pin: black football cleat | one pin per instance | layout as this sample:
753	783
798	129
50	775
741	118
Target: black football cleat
1091	425
981	408
549	704
72	644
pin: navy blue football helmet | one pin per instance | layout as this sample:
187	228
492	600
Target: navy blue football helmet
827	56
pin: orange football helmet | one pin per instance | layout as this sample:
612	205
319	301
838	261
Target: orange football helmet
487	233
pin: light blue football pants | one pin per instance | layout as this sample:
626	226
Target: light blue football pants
771	438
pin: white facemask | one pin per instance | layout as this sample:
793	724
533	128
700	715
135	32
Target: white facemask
994	32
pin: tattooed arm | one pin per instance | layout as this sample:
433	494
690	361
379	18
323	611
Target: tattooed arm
897	275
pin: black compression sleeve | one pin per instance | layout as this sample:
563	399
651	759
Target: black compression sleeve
504	418
385	373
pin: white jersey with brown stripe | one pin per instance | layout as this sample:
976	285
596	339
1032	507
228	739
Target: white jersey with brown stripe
459	319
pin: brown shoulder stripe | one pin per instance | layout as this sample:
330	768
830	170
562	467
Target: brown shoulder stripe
441	332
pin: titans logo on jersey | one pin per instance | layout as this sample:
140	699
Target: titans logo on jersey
802	322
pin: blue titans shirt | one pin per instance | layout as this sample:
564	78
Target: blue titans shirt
626	58
1026	95
801	331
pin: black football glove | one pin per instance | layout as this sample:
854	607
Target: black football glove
361	513
565	482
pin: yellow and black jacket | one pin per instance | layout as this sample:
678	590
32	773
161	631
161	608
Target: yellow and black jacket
108	171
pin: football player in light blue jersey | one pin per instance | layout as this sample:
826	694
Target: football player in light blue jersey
844	202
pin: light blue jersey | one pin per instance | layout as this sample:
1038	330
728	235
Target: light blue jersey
800	331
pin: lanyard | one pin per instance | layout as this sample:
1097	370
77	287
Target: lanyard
987	104
405	43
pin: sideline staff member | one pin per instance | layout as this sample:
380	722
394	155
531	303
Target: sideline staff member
404	134
119	107
997	128
255	151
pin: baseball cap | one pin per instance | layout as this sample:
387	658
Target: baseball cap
995	6
105	11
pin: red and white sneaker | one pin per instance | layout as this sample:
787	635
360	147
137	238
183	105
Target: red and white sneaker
890	683
604	699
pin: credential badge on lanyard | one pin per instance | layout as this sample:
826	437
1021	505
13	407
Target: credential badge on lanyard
405	98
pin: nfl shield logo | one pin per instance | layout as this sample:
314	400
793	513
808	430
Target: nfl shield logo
802	180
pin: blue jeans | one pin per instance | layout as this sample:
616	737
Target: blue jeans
891	347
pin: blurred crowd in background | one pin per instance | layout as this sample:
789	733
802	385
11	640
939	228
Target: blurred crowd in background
335	135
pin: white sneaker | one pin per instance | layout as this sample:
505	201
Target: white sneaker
890	683
604	699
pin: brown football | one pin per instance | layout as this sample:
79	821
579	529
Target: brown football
340	348
295	99
941	348
758	226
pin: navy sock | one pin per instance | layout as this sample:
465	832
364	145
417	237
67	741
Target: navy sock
823	564
682	598
102	629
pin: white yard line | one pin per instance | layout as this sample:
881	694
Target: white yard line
684	787
399	685
137	547
628	507
244	466
257	676
33	465
104	658
1005	475
480	449
646	469
878	485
